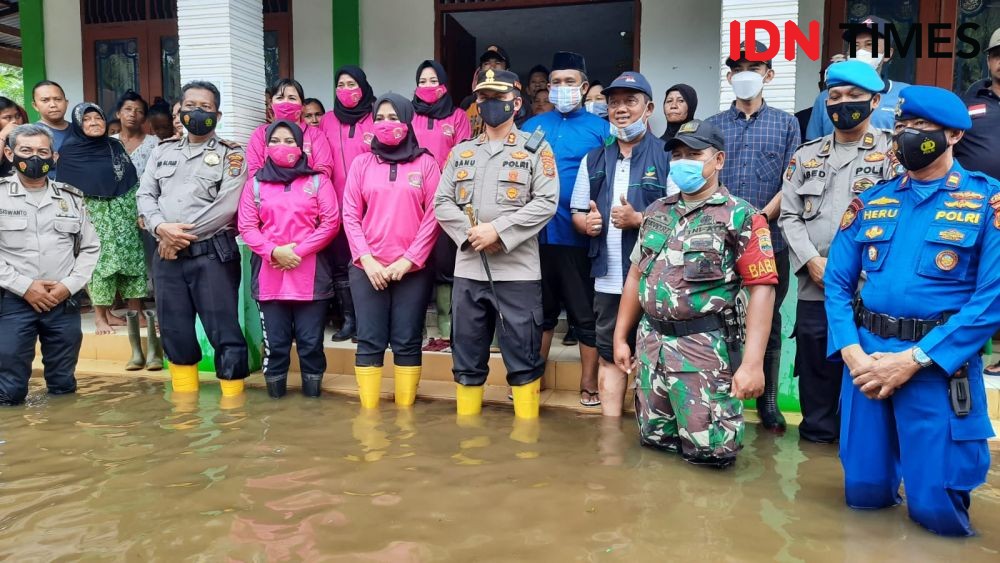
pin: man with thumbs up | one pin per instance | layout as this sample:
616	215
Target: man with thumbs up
615	184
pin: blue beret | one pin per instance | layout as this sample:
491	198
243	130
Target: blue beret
934	104
854	73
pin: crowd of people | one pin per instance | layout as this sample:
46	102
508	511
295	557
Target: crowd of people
670	255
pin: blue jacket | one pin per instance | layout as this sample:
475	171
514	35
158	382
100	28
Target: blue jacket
571	135
647	183
884	117
926	251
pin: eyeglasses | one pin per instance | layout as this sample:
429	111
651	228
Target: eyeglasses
630	103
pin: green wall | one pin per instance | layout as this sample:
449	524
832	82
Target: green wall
346	33
32	49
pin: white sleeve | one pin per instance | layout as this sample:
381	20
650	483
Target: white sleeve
580	200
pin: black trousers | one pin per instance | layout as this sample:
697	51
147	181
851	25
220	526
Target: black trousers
301	321
474	319
566	283
819	378
395	315
443	257
338	256
205	287
60	336
780	290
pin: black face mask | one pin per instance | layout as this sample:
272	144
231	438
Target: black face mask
847	115
917	149
495	112
34	166
198	121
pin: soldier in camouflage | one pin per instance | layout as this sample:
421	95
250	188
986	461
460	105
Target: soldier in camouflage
696	251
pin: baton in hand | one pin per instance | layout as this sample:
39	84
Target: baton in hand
471	214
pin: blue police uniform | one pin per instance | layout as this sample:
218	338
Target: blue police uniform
938	244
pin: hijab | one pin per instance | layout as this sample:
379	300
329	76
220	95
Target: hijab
409	149
444	107
97	166
271	172
691	97
350	116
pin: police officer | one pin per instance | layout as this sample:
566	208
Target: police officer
506	181
913	405
822	178
187	198
696	250
48	251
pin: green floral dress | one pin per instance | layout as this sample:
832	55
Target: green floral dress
122	267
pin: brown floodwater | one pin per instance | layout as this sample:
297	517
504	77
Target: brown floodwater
116	472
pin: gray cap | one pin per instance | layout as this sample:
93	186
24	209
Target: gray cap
697	134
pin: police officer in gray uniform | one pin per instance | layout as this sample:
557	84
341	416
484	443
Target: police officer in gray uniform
822	178
188	198
48	250
504	181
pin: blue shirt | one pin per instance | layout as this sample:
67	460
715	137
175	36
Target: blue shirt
884	117
927	249
758	149
59	135
572	135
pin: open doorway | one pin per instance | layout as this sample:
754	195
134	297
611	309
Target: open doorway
604	32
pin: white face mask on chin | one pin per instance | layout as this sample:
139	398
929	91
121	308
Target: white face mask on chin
747	84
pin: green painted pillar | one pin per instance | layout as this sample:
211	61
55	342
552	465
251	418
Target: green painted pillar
346	33
32	50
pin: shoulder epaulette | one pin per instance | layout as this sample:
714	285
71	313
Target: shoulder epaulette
170	140
812	142
63	187
230	144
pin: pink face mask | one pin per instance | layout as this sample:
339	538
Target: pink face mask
430	94
284	156
349	96
390	132
288	111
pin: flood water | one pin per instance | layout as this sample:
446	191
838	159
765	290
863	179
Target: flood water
118	473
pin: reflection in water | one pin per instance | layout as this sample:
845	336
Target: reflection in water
123	471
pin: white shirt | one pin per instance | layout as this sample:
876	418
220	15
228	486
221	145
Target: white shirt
613	281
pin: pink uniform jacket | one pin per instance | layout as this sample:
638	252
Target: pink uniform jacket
391	218
314	144
306	213
440	136
347	142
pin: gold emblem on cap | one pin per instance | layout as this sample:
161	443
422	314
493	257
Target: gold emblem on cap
689	127
489	75
212	158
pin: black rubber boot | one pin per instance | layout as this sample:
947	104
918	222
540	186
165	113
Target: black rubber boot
767	404
349	329
138	359
311	385
154	349
277	386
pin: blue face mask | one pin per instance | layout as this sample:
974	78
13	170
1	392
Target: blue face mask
600	109
565	98
687	174
630	132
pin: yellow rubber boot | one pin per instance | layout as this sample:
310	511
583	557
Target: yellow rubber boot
369	385
468	399
406	378
184	378
526	399
232	394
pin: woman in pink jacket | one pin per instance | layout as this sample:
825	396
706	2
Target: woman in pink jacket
286	103
288	212
390	225
348	129
438	124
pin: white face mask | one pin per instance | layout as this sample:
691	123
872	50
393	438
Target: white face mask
747	84
865	56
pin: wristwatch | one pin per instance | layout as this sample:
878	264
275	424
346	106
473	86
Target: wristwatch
921	357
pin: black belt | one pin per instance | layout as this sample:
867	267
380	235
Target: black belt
687	328
886	326
206	247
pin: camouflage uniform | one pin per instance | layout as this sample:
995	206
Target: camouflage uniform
692	261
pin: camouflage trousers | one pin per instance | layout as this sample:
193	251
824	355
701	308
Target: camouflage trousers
689	412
